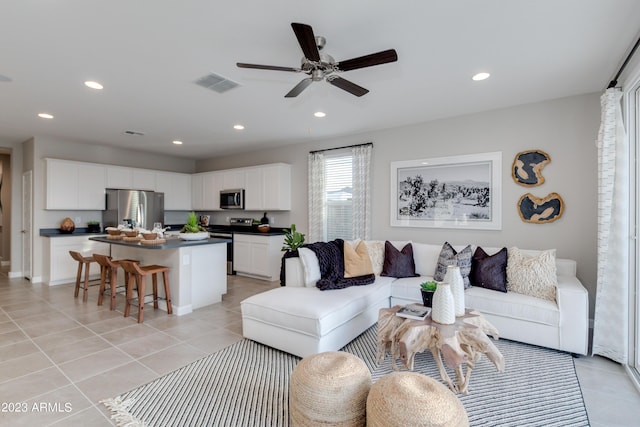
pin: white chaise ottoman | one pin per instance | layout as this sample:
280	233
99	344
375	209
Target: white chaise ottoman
305	320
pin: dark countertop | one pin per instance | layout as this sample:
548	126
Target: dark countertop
82	231
173	242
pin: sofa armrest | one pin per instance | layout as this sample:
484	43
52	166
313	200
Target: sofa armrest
294	272
573	304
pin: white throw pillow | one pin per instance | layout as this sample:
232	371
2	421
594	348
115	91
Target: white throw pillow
311	266
532	275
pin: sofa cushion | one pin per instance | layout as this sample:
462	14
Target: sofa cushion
408	288
532	275
425	257
311	311
489	271
449	256
310	266
356	261
398	263
513	305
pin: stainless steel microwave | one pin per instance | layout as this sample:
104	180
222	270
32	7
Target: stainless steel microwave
232	199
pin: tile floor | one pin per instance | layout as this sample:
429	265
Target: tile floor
59	356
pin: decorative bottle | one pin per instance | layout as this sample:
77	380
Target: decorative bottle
444	307
454	278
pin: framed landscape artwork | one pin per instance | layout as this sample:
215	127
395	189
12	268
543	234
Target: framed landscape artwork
448	192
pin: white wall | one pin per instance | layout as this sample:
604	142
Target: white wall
565	128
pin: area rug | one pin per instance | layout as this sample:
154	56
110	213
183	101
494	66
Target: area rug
247	384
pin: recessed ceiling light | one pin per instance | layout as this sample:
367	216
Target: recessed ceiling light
45	116
93	85
319	114
177	142
238	127
481	76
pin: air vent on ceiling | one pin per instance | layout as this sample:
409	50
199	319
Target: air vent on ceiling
133	132
216	83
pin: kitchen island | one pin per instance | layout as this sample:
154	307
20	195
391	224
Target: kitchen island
198	272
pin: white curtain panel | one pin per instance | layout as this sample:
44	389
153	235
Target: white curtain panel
317	206
361	200
611	317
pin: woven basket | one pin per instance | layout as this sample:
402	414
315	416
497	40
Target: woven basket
329	388
408	399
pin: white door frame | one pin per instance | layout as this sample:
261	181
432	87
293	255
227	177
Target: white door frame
27	224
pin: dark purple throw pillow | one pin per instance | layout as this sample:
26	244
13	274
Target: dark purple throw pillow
398	263
489	271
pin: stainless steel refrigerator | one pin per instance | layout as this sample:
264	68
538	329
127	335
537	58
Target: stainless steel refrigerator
135	207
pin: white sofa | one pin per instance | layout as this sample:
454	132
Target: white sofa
304	320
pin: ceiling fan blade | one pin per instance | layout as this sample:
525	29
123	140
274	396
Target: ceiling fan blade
348	86
368	60
268	67
299	88
307	41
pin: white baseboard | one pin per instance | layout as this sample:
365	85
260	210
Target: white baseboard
14	274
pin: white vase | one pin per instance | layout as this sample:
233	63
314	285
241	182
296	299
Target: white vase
444	307
454	279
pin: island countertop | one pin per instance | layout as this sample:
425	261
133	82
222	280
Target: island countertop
172	242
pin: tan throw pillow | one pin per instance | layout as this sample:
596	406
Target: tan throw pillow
532	275
356	261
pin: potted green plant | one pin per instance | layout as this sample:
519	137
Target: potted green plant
427	289
192	230
292	239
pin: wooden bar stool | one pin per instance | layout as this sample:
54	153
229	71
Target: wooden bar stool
109	272
139	273
83	262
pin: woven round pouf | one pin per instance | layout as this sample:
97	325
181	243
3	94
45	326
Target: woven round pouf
329	388
409	399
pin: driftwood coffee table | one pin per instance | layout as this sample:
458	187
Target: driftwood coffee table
462	343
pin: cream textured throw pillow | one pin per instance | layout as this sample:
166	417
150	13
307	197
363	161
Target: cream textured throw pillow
356	261
532	275
376	254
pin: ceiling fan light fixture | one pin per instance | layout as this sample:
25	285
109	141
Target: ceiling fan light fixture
93	85
480	76
45	116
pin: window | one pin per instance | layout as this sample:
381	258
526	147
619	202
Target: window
338	197
339	194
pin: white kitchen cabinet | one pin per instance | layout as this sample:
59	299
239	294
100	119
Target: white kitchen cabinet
258	256
59	267
253	195
127	178
213	183
233	179
176	188
74	185
276	187
268	187
197	191
144	179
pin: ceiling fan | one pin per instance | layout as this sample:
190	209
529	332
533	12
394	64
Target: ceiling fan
321	66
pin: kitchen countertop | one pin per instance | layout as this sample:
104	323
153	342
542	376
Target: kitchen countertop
82	231
172	242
